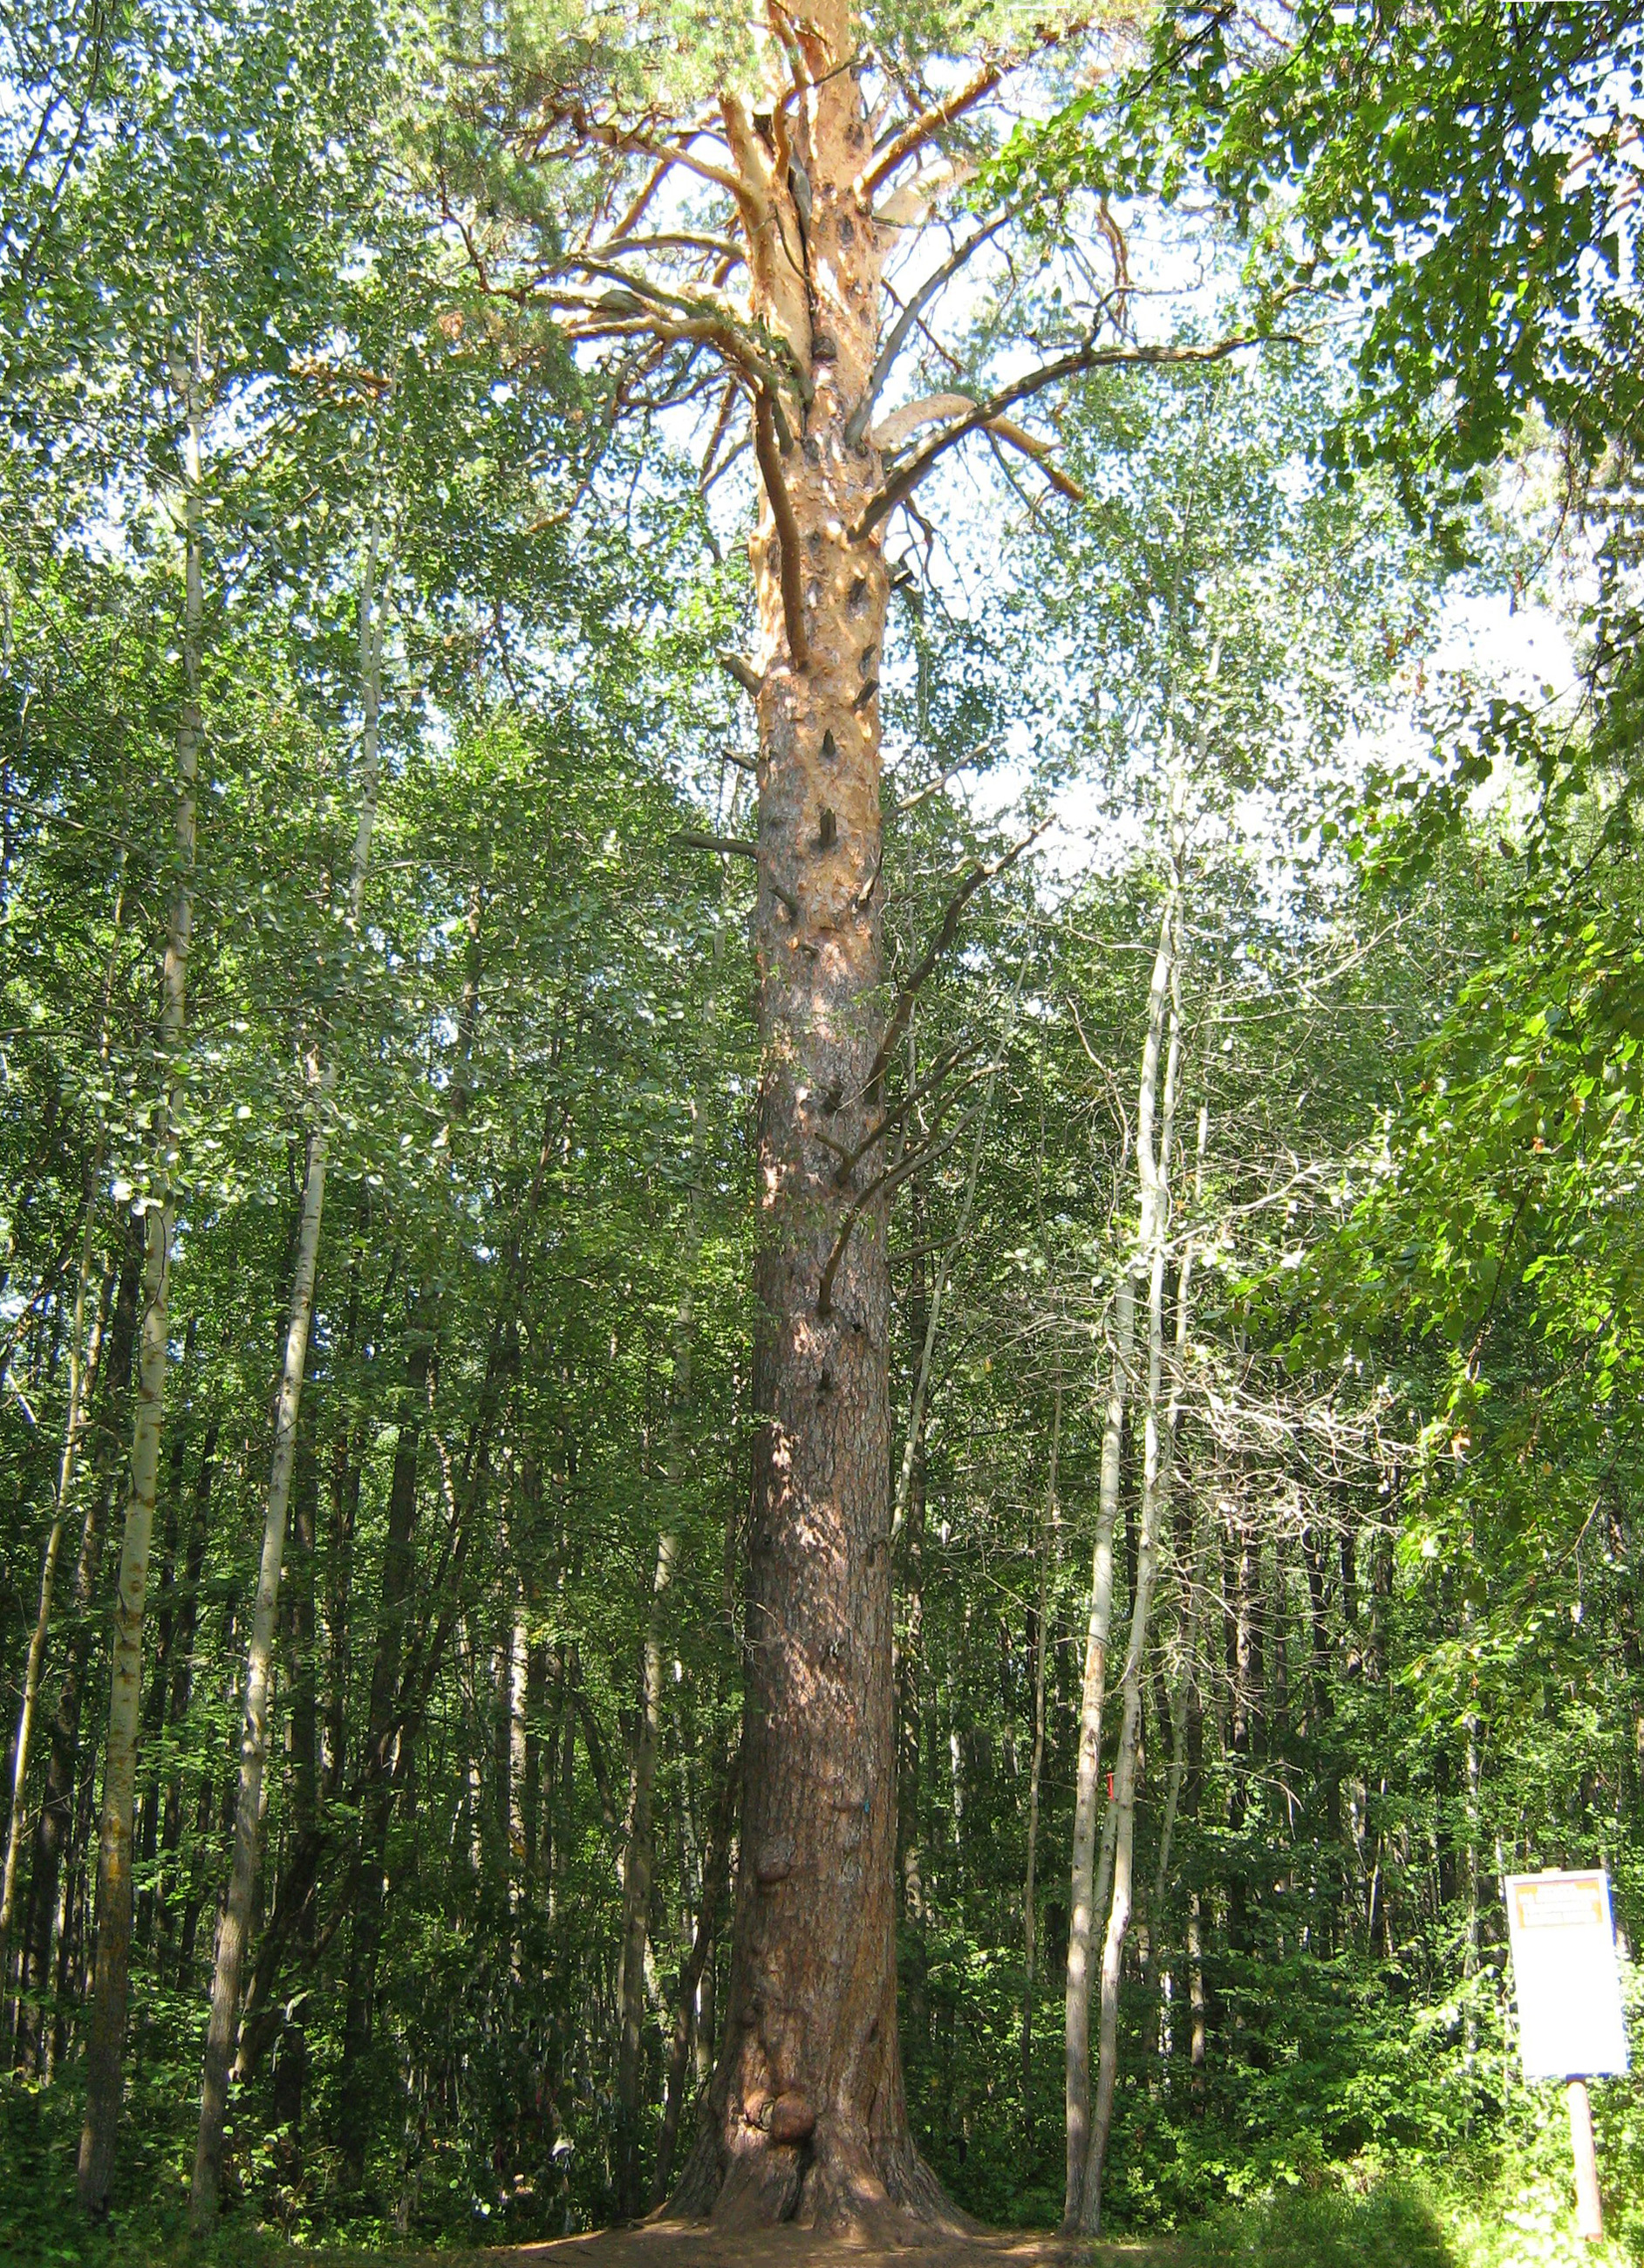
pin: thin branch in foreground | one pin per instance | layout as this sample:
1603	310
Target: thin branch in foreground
920	299
1089	357
849	1159
689	839
885	1184
976	879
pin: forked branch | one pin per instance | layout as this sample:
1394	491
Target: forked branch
965	97
979	877
902	483
885	1184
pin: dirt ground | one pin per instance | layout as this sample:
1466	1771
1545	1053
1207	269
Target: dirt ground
693	2244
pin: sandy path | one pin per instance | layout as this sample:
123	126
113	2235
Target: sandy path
695	2244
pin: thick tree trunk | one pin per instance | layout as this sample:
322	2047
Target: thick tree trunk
807	2115
247	1854
106	2039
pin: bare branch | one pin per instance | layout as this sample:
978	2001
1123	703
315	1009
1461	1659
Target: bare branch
633	142
905	321
849	1159
901	485
885	1185
1006	429
923	129
976	880
746	676
914	135
921	794
688	839
788	546
891	431
653	181
720	246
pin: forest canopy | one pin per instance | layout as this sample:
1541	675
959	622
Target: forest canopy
821	990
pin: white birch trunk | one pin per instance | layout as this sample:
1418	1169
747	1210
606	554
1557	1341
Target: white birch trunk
1087	1895
1188	1613
235	1927
1153	1172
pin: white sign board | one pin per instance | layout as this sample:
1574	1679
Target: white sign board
1564	1964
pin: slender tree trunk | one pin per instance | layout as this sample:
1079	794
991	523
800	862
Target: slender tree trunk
53	1825
248	1853
637	1872
1154	1172
1036	1766
1085	1897
697	1968
1174	1708
291	2059
376	1796
182	1665
1088	1896
106	2040
640	1857
147	1817
83	1355
83	1359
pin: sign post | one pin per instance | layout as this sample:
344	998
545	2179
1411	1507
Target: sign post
1569	2003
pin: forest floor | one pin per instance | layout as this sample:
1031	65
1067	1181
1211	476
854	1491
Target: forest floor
698	2244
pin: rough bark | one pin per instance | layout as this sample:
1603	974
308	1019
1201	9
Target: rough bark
106	2036
807	2117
